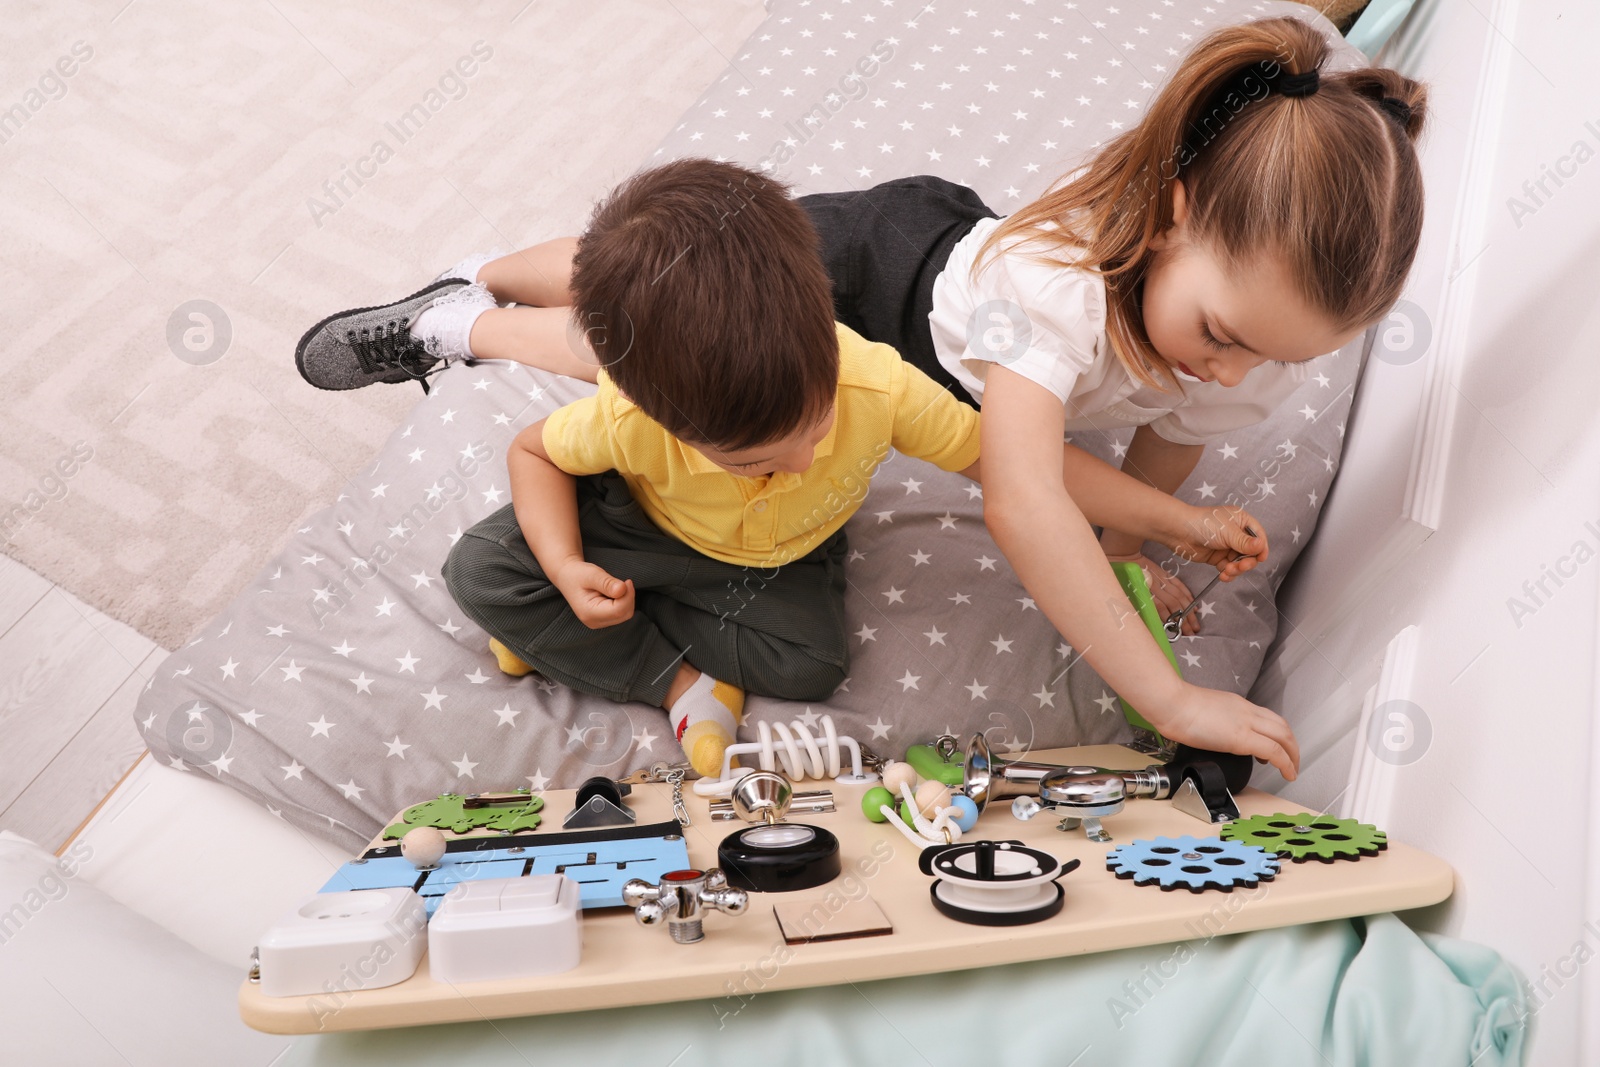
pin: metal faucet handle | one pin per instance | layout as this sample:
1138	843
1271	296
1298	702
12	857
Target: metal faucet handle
681	899
720	895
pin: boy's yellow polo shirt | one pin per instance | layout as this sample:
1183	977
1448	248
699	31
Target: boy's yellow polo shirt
883	403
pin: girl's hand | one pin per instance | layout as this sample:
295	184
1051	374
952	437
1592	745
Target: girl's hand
598	599
1229	538
1226	722
1168	591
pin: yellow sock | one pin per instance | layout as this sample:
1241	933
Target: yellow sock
705	719
508	660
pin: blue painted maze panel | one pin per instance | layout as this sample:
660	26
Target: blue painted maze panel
600	861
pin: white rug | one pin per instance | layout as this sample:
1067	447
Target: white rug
279	161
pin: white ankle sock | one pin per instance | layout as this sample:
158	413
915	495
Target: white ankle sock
705	720
445	328
467	269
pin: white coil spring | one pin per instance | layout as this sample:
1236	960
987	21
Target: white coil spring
802	753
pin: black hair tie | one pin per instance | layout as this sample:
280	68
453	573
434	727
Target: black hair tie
1397	109
1253	81
1297	84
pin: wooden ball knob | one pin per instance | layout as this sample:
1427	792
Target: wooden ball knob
931	796
894	773
423	847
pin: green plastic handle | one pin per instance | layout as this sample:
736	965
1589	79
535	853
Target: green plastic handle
1131	577
928	764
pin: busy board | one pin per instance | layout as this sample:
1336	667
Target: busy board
626	963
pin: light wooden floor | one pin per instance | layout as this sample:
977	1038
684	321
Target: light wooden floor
69	679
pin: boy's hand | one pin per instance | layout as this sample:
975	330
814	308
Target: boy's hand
1226	722
1222	537
598	599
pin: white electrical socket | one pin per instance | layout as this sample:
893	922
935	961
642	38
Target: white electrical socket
336	943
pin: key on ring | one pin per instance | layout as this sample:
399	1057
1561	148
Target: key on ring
1174	624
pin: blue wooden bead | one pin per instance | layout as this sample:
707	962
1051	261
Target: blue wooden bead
969	812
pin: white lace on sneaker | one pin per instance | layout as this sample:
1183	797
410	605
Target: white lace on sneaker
446	326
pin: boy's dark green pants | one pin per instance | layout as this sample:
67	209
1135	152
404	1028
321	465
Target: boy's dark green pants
775	631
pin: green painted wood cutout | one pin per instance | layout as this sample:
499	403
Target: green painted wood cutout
447	811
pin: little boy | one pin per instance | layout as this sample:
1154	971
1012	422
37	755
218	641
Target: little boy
677	538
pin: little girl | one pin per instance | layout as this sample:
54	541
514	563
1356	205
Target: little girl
1258	216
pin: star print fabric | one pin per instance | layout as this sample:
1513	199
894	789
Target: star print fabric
344	683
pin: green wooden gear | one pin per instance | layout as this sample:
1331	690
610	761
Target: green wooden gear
448	811
1303	836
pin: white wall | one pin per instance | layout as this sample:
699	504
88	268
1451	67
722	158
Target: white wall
1492	442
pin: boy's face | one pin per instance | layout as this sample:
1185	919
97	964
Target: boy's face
793	453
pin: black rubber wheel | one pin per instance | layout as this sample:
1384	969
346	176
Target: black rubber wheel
797	856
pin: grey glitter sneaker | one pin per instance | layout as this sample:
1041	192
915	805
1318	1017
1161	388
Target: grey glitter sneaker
366	345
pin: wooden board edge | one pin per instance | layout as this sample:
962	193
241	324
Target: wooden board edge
291	1016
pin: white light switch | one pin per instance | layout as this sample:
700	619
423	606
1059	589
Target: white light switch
506	928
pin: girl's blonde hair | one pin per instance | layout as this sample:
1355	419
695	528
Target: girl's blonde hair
1328	182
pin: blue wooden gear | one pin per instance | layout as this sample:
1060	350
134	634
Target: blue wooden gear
1192	863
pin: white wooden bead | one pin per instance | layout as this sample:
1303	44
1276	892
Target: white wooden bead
895	772
931	796
423	846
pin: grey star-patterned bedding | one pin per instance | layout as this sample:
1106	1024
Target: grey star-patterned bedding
344	683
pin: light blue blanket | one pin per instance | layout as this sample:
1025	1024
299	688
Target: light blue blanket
1366	992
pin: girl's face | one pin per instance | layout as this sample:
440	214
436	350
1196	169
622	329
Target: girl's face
1212	324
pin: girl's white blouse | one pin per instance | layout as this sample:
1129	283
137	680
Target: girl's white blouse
1048	324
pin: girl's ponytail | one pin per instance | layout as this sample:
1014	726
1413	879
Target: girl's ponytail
1393	93
1275	157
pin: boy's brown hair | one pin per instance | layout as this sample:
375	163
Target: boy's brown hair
700	287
